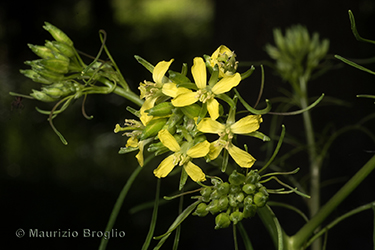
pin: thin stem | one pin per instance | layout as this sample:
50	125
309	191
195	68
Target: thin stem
297	240
120	200
235	237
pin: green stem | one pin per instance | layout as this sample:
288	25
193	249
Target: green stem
120	200
297	240
314	160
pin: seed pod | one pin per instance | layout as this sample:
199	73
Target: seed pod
249	188
249	210
162	109
260	199
222	220
201	210
236	178
57	34
236	217
152	128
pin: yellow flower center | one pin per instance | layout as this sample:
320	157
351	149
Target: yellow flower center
204	95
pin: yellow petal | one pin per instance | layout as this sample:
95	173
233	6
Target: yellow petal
160	70
139	156
207	125
170	89
168	140
241	157
221	50
145	118
198	70
213	108
185	99
199	150
132	142
246	125
226	84
195	173
215	150
165	167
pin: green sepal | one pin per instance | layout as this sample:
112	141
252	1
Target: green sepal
191	111
152	128
178	78
125	150
145	64
214	76
183	179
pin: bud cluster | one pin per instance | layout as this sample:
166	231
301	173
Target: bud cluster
234	200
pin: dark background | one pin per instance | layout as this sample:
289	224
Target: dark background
48	186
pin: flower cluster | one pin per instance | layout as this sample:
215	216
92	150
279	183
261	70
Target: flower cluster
234	200
177	113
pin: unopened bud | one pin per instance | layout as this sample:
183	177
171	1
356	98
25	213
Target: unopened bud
222	221
260	199
35	76
236	178
223	188
223	203
162	109
236	217
152	128
201	210
249	188
64	48
41	51
213	207
42	96
206	193
57	34
249	210
54	65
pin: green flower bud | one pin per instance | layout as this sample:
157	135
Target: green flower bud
222	221
260	199
215	195
49	75
223	203
216	181
240	197
41	51
248	200
201	210
162	109
214	207
42	96
35	76
252	177
234	189
57	34
152	128
64	48
206	194
232	200
236	178
263	190
236	217
54	65
249	188
249	210
53	92
223	188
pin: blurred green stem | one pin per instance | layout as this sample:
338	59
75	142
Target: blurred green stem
301	237
314	160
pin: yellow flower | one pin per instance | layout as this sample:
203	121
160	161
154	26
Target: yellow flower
134	143
225	59
182	156
205	93
245	125
161	87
